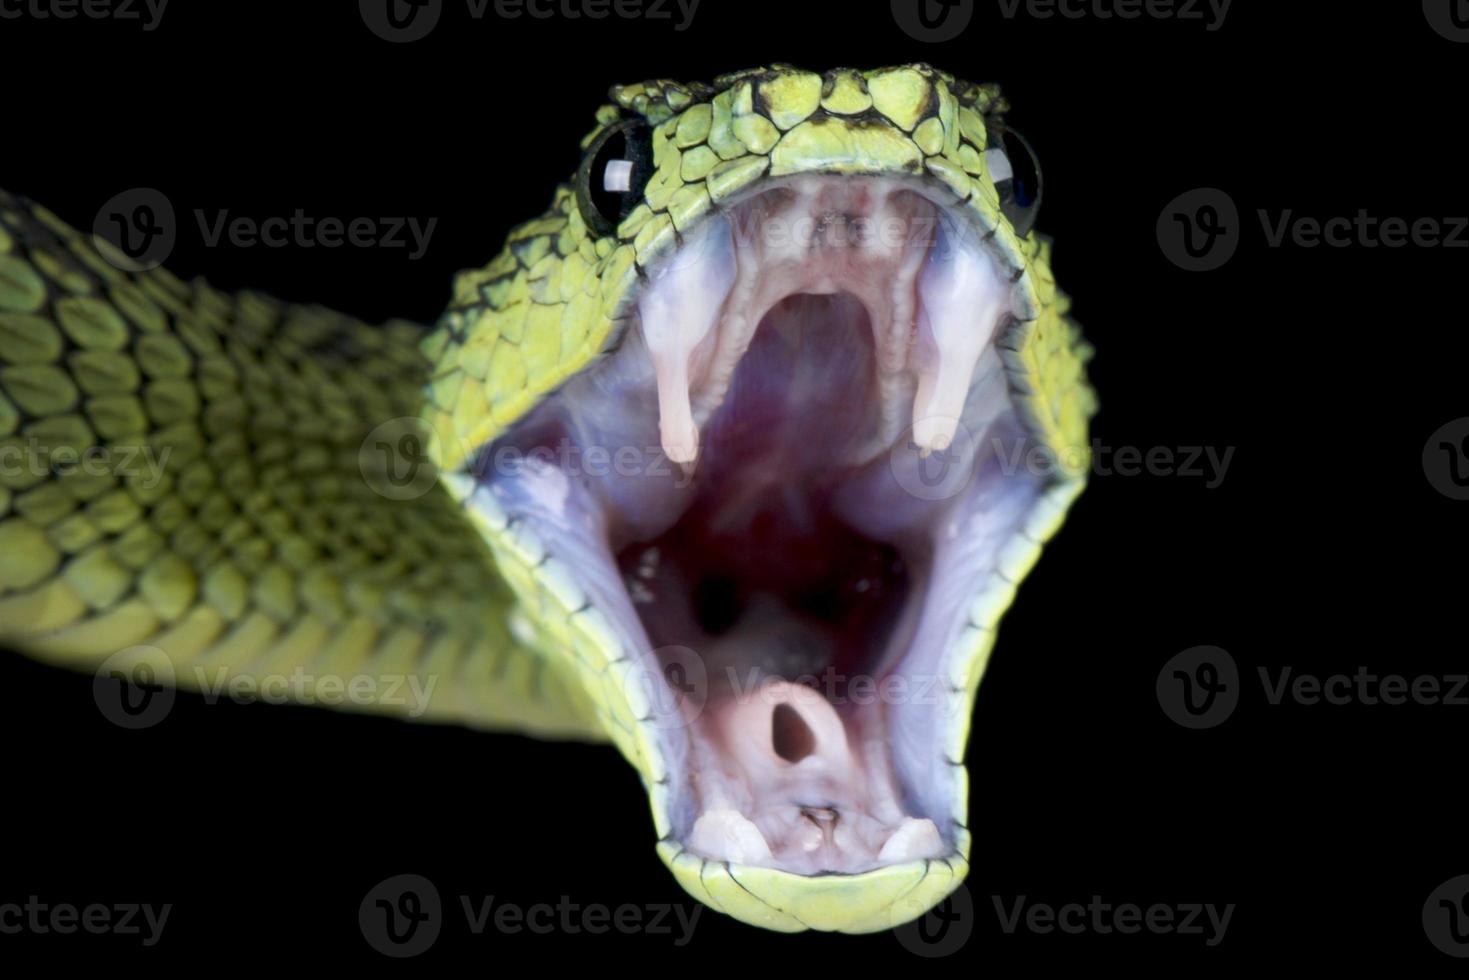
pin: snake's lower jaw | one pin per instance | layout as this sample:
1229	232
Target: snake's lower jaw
853	862
786	902
784	629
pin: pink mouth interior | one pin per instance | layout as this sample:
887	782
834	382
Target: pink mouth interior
795	552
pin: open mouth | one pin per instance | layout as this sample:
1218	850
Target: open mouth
786	493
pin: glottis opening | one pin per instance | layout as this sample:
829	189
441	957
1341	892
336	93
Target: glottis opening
785	383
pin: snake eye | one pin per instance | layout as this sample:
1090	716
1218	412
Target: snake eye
613	174
1017	176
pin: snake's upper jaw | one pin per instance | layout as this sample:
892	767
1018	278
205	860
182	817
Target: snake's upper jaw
931	295
812	585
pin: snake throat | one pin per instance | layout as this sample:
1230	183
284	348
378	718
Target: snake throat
818	422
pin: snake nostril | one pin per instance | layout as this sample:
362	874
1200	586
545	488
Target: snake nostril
790	736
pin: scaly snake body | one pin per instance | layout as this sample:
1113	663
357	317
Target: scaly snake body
269	541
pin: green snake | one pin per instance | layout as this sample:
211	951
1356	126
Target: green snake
679	439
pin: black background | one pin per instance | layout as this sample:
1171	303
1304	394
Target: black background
1324	547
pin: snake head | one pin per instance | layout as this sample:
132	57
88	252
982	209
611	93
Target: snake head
764	421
